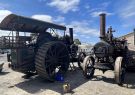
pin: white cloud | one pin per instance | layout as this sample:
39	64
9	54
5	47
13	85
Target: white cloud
87	6
125	25
4	6
128	10
43	17
60	19
83	28
75	35
105	4
100	7
126	13
65	5
97	13
83	35
42	0
4	13
87	37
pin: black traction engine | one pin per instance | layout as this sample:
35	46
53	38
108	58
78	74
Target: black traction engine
36	48
109	54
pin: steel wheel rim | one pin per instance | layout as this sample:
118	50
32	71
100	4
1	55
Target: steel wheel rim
82	56
120	70
89	67
81	59
54	60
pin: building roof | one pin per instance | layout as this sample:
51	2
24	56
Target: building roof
24	24
127	35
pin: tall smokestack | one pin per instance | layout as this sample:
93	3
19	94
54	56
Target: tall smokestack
71	34
102	25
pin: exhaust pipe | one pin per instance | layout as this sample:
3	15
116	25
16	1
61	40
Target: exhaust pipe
102	25
71	34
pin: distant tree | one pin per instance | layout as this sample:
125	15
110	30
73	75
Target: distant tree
77	41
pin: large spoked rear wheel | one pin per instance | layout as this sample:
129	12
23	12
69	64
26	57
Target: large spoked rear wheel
119	70
52	58
81	57
88	67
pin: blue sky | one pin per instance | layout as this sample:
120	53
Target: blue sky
82	15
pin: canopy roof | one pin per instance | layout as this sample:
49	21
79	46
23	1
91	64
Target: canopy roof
24	24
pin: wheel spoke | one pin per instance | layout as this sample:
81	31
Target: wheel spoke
50	51
49	65
48	56
48	61
54	50
62	56
60	62
61	50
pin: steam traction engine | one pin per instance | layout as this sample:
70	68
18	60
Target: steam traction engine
108	54
44	53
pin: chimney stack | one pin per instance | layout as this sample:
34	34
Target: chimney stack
102	25
71	34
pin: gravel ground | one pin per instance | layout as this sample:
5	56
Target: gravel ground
11	83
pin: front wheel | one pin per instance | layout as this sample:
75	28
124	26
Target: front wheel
119	70
81	57
88	67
